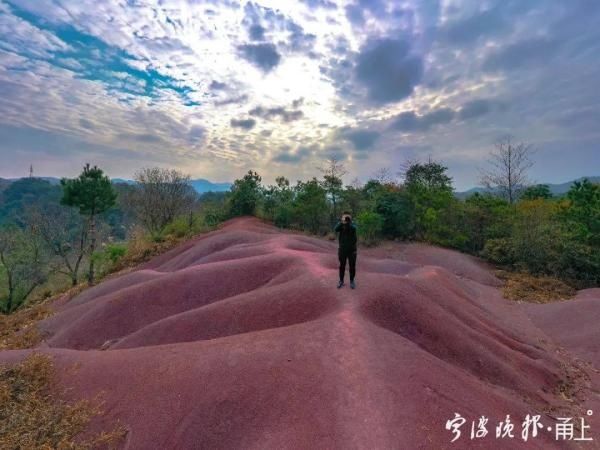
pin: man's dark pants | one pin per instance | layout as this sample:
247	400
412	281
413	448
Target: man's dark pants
350	255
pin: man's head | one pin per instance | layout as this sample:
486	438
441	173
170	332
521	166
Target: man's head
346	217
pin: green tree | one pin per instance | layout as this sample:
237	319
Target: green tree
352	198
536	192
310	206
397	210
21	262
485	217
536	236
277	202
369	227
430	190
583	212
429	176
23	193
91	193
245	195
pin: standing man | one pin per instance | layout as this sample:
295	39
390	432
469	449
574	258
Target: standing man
347	247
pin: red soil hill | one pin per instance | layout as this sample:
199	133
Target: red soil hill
240	339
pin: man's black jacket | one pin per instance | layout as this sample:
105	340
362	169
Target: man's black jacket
347	235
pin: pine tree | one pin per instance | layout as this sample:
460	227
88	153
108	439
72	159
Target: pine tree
92	193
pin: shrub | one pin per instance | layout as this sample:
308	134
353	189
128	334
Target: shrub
115	252
180	227
283	216
212	217
369	226
499	251
536	237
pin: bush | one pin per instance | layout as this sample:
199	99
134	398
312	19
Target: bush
115	252
499	251
283	216
536	237
369	227
484	217
579	263
212	216
180	227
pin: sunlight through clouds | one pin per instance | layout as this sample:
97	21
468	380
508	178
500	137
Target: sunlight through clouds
217	87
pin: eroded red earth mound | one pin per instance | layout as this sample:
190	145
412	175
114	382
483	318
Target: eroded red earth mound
240	339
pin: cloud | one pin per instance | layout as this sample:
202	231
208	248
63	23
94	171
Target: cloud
409	121
387	70
263	56
256	32
325	4
86	124
232	100
335	152
196	133
292	157
357	12
217	86
146	138
360	139
92	58
278	111
527	53
267	25
486	23
475	108
246	124
140	81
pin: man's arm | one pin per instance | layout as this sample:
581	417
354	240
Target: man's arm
338	227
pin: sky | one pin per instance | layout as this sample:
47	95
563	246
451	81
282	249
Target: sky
219	87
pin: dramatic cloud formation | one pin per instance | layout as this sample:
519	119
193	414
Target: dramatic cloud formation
264	56
388	71
247	124
217	87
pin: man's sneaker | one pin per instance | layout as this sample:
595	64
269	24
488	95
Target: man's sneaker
352	285
340	284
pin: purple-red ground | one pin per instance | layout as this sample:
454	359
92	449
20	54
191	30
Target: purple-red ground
240	339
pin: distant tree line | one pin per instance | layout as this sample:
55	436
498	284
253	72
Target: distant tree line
516	225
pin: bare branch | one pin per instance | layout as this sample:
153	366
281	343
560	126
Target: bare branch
509	165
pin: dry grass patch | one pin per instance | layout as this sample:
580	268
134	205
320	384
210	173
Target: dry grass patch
18	330
33	417
529	288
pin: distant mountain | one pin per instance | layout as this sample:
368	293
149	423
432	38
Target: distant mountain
3	184
52	180
201	185
556	189
563	188
121	181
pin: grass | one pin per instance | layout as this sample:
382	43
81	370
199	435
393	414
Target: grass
32	415
534	289
18	330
